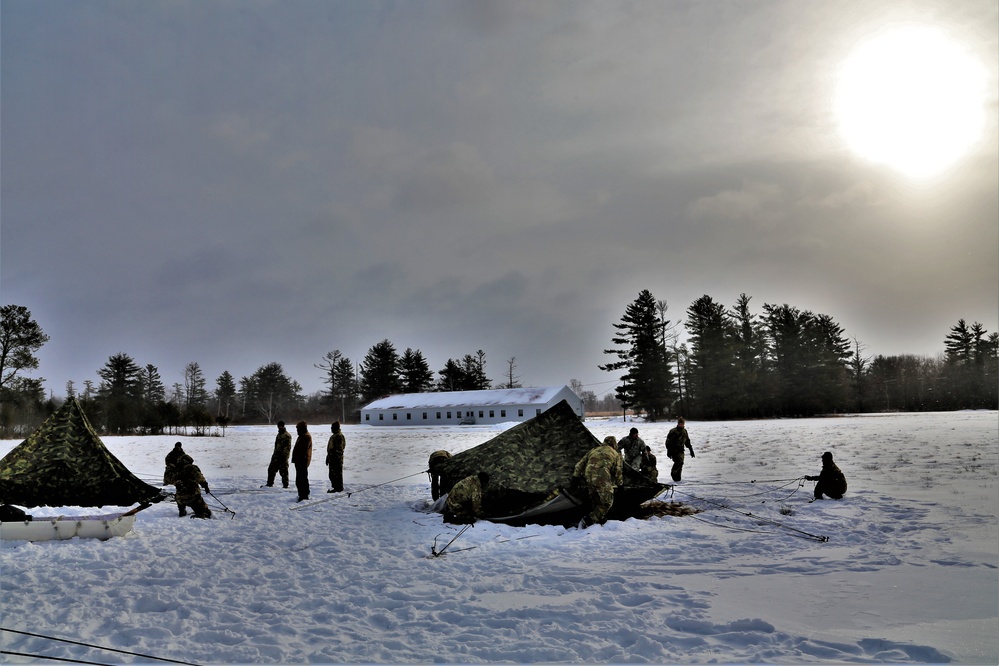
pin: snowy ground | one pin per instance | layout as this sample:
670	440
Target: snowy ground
910	571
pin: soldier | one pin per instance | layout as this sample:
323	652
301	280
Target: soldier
433	466
649	468
831	480
632	448
301	457
464	502
172	459
187	479
279	459
334	458
602	471
676	439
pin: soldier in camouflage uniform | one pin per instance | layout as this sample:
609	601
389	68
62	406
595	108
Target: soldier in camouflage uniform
433	467
279	459
676	439
464	502
187	479
602	469
831	480
301	458
649	468
172	459
334	458
632	448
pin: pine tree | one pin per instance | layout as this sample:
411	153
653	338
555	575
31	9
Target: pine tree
121	393
380	372
647	380
225	394
713	359
415	372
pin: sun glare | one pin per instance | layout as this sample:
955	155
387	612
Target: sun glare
912	100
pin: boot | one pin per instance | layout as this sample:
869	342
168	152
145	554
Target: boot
182	512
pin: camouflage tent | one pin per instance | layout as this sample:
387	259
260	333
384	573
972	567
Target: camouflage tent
64	463
531	462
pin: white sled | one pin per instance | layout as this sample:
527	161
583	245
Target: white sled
67	527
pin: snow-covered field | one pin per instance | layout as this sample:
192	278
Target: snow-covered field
910	571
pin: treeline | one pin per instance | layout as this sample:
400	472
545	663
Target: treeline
786	362
132	398
780	362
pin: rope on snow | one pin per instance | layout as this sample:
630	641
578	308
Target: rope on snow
88	645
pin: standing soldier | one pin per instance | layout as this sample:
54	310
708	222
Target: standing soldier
301	456
632	449
464	502
602	469
334	458
434	470
187	479
676	439
172	461
279	459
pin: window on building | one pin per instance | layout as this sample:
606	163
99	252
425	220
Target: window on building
409	417
449	414
381	417
502	413
492	414
537	412
367	417
480	413
520	412
395	417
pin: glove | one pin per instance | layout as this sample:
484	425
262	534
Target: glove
207	490
692	455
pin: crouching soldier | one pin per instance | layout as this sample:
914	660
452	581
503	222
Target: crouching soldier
464	502
434	470
602	469
831	480
649	468
188	478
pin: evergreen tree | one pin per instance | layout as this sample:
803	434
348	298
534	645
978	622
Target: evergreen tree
195	393
969	375
647	381
345	377
750	355
809	354
153	391
269	392
380	372
713	360
414	372
225	394
121	394
475	371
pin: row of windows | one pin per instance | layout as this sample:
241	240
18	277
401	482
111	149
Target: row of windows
458	415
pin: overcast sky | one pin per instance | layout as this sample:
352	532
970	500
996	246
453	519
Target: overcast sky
238	183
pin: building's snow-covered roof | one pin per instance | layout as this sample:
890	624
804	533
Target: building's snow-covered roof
539	395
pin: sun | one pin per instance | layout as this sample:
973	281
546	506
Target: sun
911	99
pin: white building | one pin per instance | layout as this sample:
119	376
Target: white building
467	407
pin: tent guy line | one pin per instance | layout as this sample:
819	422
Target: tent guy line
88	645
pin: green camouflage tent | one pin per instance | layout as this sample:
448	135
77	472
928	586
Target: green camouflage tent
530	464
64	463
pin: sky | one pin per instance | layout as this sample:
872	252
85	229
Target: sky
240	183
